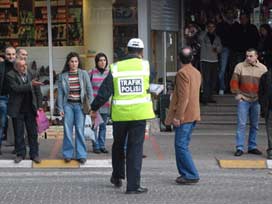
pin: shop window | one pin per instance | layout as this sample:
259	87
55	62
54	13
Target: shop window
24	23
125	25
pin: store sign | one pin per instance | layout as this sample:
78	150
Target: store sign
125	15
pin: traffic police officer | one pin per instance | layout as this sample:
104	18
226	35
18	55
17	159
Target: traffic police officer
128	84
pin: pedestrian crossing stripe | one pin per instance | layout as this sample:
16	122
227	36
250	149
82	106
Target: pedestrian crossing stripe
57	164
243	164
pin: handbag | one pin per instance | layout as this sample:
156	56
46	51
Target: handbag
42	121
88	131
86	102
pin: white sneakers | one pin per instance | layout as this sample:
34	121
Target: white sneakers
221	92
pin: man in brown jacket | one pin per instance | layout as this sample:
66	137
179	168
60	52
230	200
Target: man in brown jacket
183	113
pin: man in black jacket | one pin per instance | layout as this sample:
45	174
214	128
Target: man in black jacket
265	100
5	67
25	99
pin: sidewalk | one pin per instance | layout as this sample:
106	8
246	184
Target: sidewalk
207	144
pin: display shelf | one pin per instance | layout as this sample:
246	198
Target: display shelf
25	21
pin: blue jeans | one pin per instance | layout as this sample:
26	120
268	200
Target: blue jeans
224	56
253	110
100	135
74	116
3	115
185	164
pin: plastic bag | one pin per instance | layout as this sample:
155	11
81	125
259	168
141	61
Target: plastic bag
88	131
42	121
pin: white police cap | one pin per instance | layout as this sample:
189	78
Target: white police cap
135	43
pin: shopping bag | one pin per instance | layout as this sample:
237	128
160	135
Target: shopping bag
42	121
88	131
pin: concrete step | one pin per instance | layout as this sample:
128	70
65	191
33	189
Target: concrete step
225	99
218	108
219	118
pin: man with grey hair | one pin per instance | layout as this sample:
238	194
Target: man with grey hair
25	99
5	67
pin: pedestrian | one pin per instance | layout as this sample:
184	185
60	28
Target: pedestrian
211	46
265	100
97	76
73	84
184	112
25	99
22	53
245	83
5	67
128	84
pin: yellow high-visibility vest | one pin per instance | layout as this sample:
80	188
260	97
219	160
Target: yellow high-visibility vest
131	101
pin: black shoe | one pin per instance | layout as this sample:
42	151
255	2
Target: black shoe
238	153
137	191
255	151
97	151
67	160
18	159
184	181
36	159
82	160
104	150
116	182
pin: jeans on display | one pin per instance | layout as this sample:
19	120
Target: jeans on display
185	164
224	56
100	133
3	115
245	109
74	116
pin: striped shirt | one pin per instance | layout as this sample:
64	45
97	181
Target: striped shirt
245	80
74	87
97	79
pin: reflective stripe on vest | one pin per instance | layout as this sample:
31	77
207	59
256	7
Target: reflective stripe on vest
132	101
143	72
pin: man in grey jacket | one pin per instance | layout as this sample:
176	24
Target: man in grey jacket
210	48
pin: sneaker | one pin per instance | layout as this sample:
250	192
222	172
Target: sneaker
254	151
221	92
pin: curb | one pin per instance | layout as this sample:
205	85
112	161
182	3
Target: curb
56	164
245	164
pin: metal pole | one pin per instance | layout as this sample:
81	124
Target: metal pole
50	50
164	60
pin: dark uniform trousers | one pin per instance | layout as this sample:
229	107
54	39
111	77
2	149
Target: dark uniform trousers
135	131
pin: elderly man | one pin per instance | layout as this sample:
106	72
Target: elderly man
5	67
245	84
25	99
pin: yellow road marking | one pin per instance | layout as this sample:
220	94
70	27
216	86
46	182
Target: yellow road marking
243	164
59	164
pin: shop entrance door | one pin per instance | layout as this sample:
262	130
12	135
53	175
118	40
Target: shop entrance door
164	59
